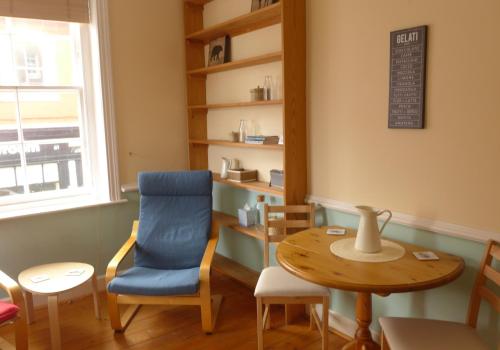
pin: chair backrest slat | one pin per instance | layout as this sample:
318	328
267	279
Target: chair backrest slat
492	274
490	297
297	223
291	218
480	290
495	251
276	223
276	208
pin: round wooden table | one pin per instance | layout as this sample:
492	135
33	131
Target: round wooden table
54	280
307	255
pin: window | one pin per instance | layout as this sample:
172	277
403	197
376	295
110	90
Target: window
51	128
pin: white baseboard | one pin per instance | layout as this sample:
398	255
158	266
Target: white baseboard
435	226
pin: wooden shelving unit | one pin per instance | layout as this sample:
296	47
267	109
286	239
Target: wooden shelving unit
291	15
292	55
236	105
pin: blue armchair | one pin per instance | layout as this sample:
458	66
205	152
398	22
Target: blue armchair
174	241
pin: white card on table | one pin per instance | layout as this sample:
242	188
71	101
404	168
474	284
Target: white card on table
336	231
426	256
75	272
39	278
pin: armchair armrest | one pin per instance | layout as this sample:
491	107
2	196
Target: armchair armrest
208	256
13	289
122	253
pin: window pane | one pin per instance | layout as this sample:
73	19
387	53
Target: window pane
54	166
11	178
38	52
7	71
8	119
48	115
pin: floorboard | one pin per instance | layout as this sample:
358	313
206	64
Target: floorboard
176	327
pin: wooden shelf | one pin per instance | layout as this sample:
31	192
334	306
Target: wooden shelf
232	223
236	271
198	2
247	62
236	144
257	186
236	105
249	22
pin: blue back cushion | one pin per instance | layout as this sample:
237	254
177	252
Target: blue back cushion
175	219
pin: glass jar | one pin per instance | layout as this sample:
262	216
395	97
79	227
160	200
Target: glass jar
242	131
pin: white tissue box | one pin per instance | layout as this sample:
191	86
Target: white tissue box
248	217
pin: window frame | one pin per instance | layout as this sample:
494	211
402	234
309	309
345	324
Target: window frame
97	132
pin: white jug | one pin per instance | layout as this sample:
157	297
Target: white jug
368	236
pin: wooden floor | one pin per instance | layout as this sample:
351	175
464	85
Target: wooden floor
176	327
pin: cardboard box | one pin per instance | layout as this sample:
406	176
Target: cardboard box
242	175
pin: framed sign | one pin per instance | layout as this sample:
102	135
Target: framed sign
407	78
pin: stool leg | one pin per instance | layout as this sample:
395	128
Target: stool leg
28	301
55	329
95	294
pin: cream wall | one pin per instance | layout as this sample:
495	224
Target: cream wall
147	45
449	171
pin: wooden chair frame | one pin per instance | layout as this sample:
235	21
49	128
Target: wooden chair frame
208	303
480	290
16	296
263	303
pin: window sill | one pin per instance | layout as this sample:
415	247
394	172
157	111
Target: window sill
53	206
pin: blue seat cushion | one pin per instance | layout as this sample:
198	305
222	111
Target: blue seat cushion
153	282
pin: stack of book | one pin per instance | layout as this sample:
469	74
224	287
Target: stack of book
262	140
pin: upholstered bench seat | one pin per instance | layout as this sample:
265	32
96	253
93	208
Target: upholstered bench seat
275	281
8	311
418	334
154	282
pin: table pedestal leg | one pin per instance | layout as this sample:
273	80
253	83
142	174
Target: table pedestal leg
95	293
55	330
363	338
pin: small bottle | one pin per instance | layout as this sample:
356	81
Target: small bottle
243	131
267	87
260	208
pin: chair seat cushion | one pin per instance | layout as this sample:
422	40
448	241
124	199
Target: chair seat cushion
7	311
274	281
154	282
418	334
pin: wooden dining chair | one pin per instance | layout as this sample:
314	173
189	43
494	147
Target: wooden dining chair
415	334
276	285
13	312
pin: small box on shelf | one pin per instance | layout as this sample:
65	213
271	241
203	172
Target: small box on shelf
276	178
242	175
247	216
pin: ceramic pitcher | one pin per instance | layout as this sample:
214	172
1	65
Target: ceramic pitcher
368	237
